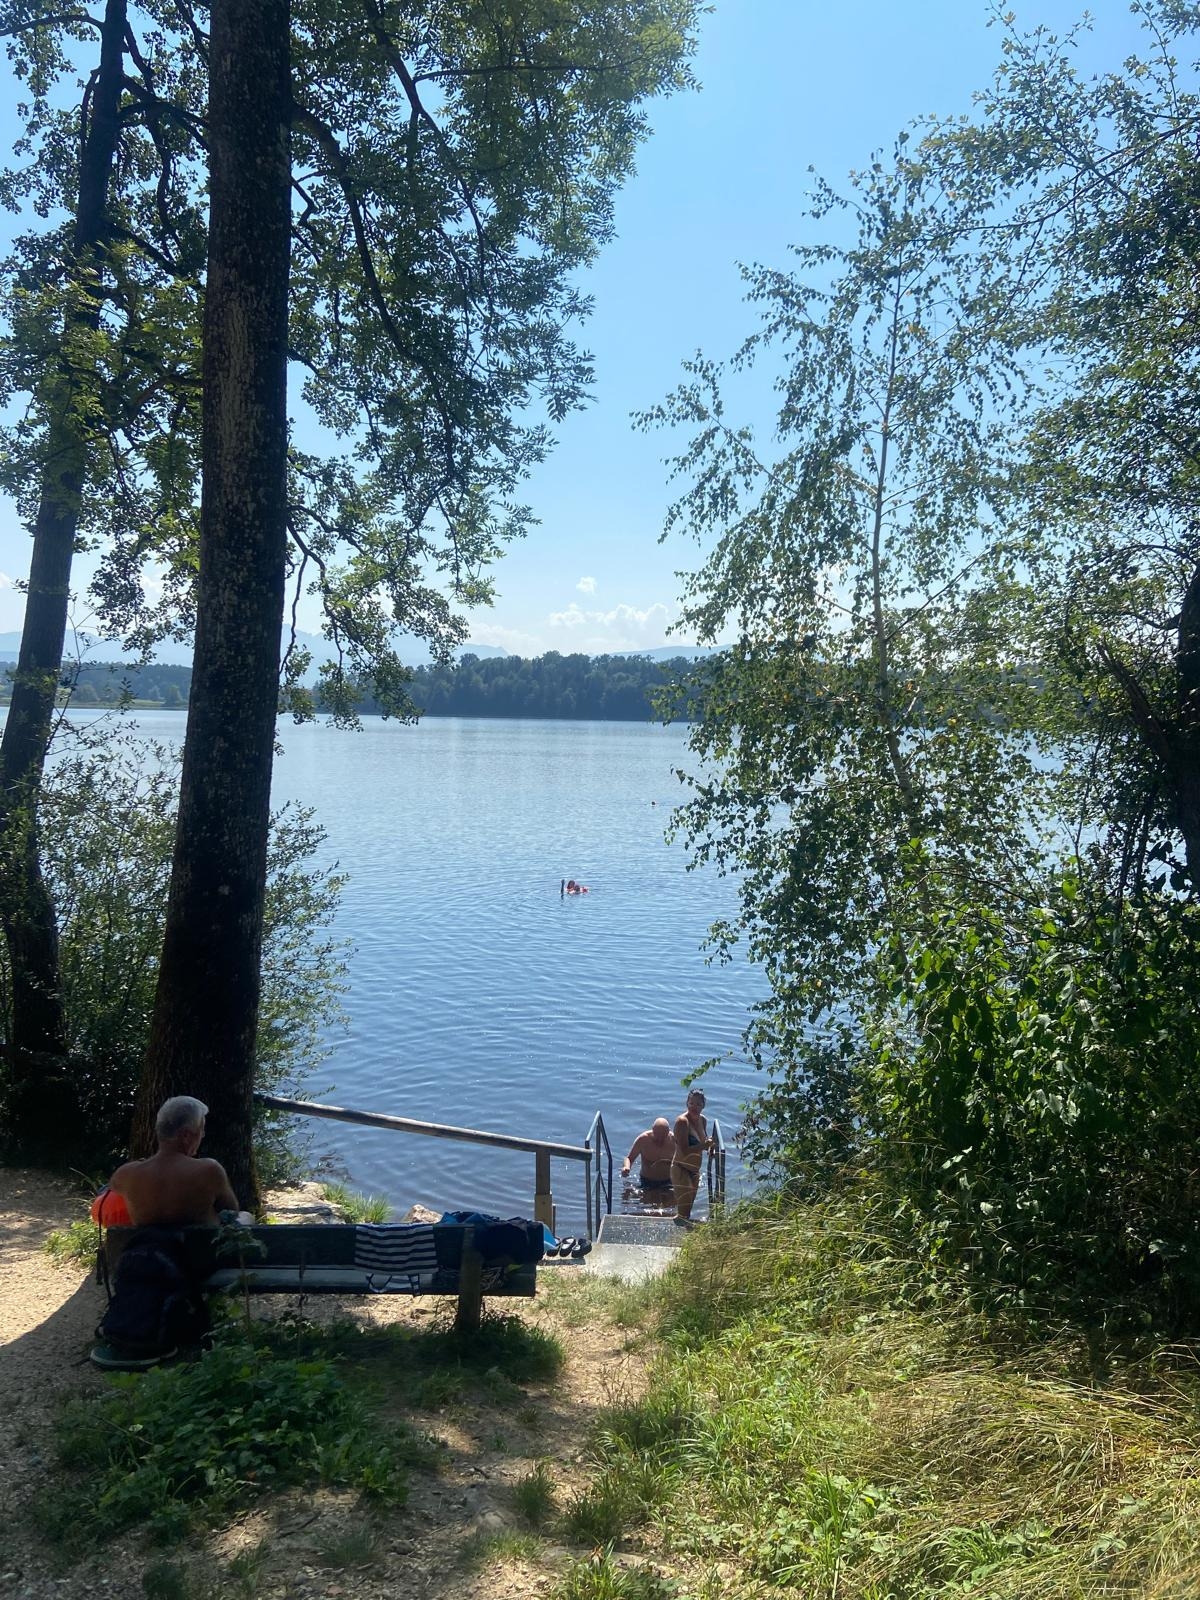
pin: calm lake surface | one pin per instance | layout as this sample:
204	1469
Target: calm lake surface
479	996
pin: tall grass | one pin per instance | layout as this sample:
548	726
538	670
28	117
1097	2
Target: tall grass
825	1419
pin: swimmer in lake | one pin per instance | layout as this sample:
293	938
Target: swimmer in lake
655	1150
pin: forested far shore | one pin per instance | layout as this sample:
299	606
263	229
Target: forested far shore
591	688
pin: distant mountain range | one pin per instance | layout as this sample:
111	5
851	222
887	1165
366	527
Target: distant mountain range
173	654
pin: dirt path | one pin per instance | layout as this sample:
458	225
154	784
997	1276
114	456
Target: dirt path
47	1317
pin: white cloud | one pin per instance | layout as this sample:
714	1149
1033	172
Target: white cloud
586	585
623	628
5	581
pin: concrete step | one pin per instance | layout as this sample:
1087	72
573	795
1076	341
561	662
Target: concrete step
634	1248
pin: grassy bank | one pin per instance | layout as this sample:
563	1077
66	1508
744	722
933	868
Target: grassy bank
805	1414
820	1420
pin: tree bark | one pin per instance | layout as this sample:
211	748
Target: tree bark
202	1037
26	909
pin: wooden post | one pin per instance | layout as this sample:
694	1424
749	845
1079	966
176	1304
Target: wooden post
470	1292
543	1200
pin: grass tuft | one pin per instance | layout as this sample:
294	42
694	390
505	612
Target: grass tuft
357	1207
534	1495
349	1549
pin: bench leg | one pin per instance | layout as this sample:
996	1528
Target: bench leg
470	1288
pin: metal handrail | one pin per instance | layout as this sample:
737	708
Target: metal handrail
601	1184
435	1130
716	1167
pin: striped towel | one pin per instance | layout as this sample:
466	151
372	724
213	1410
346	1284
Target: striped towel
396	1250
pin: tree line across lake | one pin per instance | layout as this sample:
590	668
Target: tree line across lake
590	688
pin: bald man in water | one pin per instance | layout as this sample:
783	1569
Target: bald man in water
175	1187
655	1149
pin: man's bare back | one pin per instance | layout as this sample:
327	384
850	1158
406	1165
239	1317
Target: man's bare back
171	1190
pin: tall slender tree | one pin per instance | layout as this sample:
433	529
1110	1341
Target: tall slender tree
68	398
206	1005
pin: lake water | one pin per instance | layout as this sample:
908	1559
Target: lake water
481	997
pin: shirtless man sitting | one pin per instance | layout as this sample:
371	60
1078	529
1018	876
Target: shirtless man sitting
655	1148
174	1186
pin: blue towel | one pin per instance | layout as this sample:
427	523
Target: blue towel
396	1249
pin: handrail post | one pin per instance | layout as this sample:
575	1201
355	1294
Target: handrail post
543	1199
587	1188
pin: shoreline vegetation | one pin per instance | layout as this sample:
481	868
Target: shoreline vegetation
794	1408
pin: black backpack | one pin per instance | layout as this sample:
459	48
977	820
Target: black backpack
156	1304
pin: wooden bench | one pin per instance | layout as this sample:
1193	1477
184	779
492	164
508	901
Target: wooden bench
466	1260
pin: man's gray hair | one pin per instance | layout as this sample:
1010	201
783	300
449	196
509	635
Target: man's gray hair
180	1114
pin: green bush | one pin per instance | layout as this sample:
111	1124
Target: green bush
1038	1110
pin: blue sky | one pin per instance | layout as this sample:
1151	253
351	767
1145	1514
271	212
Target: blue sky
784	85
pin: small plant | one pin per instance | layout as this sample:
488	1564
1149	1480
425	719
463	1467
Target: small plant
600	1578
73	1246
165	1580
357	1207
601	1515
244	1573
349	1549
534	1494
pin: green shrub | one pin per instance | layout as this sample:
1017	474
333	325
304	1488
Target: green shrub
1040	1113
107	827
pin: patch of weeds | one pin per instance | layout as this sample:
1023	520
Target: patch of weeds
166	1580
530	1418
244	1572
434	1366
357	1207
509	1546
510	1346
601	1578
177	1445
73	1246
349	1549
500	1386
430	1391
533	1495
498	1443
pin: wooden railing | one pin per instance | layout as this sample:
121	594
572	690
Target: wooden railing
542	1149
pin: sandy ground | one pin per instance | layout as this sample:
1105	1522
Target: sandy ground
47	1317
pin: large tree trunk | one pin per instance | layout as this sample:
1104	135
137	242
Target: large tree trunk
206	1007
26	911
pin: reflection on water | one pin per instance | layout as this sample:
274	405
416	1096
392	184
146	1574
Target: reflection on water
646	1200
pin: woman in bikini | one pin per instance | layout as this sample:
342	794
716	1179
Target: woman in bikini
691	1141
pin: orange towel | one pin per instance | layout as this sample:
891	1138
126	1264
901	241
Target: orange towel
110	1211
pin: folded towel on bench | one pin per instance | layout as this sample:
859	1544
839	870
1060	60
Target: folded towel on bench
398	1249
